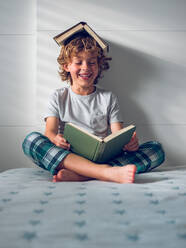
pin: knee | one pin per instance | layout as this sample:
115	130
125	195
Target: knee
157	147
155	150
29	140
154	145
160	152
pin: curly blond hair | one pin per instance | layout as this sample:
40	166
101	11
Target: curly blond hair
79	43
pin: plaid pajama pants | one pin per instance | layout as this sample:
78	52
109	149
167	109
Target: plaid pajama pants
48	156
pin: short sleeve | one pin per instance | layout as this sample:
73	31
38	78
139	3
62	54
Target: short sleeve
53	106
114	110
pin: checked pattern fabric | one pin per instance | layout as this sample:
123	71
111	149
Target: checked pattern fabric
48	156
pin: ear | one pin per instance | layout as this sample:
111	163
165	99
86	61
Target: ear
66	67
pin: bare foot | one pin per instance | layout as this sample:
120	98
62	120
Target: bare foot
69	176
125	174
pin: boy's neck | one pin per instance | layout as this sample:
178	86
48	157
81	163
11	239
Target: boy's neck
83	91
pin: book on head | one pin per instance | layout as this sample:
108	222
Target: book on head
63	37
94	148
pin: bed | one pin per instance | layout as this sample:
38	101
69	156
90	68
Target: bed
35	212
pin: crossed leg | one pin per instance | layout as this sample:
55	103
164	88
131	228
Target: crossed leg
76	168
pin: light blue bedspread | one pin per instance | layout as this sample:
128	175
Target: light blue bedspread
34	212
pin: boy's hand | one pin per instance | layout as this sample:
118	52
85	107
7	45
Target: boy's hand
133	145
61	142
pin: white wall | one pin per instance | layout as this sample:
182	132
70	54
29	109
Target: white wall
17	79
147	72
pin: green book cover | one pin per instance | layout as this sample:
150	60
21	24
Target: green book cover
114	143
94	148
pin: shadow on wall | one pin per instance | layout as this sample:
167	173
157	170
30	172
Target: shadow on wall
129	71
128	77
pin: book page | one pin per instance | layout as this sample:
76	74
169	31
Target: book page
113	135
85	131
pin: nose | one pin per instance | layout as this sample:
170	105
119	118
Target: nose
85	65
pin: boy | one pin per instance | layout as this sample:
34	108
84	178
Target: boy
82	62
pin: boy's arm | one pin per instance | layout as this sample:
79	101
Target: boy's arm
51	131
133	145
51	128
116	126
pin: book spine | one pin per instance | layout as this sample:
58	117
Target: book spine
99	152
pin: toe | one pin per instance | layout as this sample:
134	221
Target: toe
54	179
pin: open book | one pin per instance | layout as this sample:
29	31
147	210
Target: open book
94	148
80	27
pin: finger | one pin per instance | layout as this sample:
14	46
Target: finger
131	144
65	145
134	136
60	136
54	180
130	147
134	143
134	139
126	147
61	139
134	148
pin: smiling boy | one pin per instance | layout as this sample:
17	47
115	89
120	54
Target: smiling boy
82	62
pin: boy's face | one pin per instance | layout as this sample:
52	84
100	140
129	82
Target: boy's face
83	69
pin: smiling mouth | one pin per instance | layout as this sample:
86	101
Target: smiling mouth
85	75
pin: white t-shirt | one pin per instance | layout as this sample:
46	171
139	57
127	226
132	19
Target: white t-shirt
94	112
